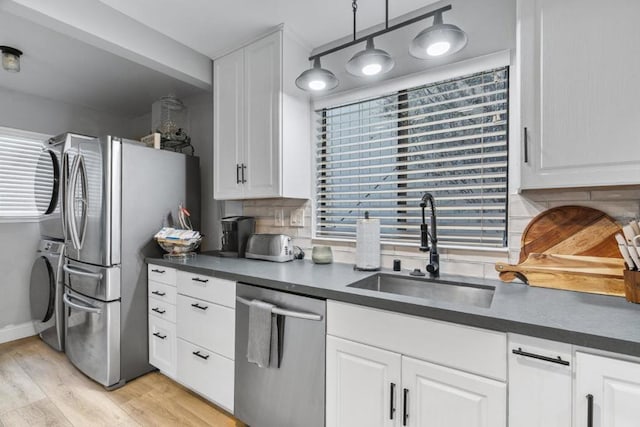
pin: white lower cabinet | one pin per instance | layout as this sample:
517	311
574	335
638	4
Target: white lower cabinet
608	390
540	382
363	385
391	378
206	372
162	345
437	396
162	318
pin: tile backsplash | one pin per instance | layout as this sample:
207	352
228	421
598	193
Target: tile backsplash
622	204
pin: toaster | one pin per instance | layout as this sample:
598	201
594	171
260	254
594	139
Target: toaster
269	247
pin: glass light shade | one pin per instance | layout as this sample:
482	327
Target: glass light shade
370	62
316	79
10	59
438	40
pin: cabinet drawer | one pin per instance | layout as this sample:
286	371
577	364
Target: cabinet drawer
474	350
161	274
209	325
162	292
162	345
162	309
212	289
207	373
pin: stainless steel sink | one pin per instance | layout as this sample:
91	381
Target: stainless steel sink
429	289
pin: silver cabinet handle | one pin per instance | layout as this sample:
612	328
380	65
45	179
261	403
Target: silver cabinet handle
89	309
283	312
238	181
97	276
243	168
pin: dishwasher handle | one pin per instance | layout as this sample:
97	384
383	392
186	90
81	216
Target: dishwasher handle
283	312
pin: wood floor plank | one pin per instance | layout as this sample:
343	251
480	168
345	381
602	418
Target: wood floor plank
82	401
68	398
17	389
39	414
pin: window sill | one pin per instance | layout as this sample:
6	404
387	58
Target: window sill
388	245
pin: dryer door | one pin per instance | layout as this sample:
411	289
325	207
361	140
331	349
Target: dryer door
47	189
42	294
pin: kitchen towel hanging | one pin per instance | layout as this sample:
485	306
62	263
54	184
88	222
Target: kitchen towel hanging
368	244
263	342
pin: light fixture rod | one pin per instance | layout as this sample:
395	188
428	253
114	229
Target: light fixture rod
380	32
386	14
354	6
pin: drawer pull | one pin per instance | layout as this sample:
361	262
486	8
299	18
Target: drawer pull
157	310
558	360
201	307
156	334
155	270
200	355
159	293
197	279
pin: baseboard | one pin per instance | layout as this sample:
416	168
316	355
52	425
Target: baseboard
15	332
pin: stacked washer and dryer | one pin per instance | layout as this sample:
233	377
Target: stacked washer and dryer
47	278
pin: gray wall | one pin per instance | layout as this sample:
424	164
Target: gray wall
18	241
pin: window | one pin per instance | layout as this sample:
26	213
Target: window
381	155
26	175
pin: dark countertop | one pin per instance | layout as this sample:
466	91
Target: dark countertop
597	321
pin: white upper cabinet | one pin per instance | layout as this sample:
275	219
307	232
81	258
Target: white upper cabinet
579	92
261	122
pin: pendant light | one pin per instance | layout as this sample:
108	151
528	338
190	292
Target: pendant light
438	40
317	79
370	61
11	59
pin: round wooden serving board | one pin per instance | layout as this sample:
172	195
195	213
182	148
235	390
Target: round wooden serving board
571	230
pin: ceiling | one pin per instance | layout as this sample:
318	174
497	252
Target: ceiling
212	27
62	68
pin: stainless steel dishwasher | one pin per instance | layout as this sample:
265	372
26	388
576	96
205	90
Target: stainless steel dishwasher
293	394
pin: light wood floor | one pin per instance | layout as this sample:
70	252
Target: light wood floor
39	387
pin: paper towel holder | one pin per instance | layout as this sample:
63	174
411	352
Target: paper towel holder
361	240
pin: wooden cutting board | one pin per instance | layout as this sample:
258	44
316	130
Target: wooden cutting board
598	275
571	230
570	247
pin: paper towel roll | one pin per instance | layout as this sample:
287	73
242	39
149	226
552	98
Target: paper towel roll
368	244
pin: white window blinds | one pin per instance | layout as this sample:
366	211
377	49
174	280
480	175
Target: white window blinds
26	175
381	155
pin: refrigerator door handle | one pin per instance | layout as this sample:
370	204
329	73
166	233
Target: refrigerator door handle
69	204
97	276
77	236
63	186
82	307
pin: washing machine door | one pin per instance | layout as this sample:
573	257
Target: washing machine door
42	294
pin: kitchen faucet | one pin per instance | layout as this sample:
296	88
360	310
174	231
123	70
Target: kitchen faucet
425	237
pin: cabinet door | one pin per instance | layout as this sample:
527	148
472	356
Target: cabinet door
539	390
162	345
228	110
263	88
360	380
579	92
436	396
615	387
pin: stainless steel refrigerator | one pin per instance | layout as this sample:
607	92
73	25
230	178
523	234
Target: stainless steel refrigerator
119	193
